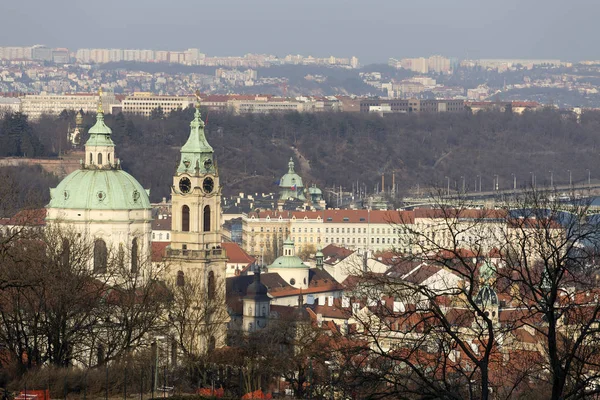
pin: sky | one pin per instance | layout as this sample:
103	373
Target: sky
372	30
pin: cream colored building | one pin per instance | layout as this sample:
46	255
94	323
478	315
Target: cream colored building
143	103
35	105
416	231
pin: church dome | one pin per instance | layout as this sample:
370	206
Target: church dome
288	259
98	189
100	184
291	179
257	290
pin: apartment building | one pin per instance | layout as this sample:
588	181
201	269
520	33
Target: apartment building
412	105
36	105
416	231
264	232
142	103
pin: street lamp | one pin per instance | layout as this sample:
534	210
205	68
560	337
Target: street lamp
496	182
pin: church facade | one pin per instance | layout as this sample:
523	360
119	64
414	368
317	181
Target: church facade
103	203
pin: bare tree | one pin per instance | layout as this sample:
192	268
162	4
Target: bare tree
195	313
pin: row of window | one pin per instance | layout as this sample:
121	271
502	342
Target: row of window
160	236
185	219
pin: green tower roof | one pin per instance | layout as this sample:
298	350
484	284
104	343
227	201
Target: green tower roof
100	133
196	151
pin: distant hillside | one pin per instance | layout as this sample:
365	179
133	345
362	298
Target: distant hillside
343	148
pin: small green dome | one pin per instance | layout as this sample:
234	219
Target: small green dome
291	179
288	262
98	189
289	258
313	190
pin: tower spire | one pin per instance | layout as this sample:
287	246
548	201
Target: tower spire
196	151
100	108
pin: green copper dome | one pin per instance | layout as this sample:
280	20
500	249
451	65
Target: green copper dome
100	133
290	184
196	153
289	258
291	179
98	189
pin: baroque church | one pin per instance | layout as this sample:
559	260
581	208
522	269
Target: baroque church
102	202
105	204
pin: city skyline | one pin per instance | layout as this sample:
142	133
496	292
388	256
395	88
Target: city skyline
344	28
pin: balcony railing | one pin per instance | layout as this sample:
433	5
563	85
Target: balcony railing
213	253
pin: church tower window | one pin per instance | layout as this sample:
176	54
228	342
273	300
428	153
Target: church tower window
211	285
100	256
185	219
206	219
134	255
99	158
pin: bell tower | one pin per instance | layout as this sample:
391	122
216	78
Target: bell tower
195	250
196	194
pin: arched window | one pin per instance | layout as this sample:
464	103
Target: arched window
207	219
100	354
100	256
211	285
99	158
91	158
180	278
134	255
185	219
108	158
65	255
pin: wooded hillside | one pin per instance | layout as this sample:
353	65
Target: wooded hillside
341	148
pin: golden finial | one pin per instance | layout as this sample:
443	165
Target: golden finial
100	109
198	99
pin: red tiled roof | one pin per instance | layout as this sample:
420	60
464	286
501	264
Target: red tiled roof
34	217
163	224
159	250
336	252
235	254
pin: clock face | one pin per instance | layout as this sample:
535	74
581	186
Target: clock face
208	185
185	185
207	163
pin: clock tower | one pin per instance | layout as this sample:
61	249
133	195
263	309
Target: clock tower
196	194
195	254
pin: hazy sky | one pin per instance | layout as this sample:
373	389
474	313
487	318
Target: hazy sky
373	30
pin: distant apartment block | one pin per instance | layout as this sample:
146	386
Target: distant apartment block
422	65
10	104
37	105
506	64
411	105
144	103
